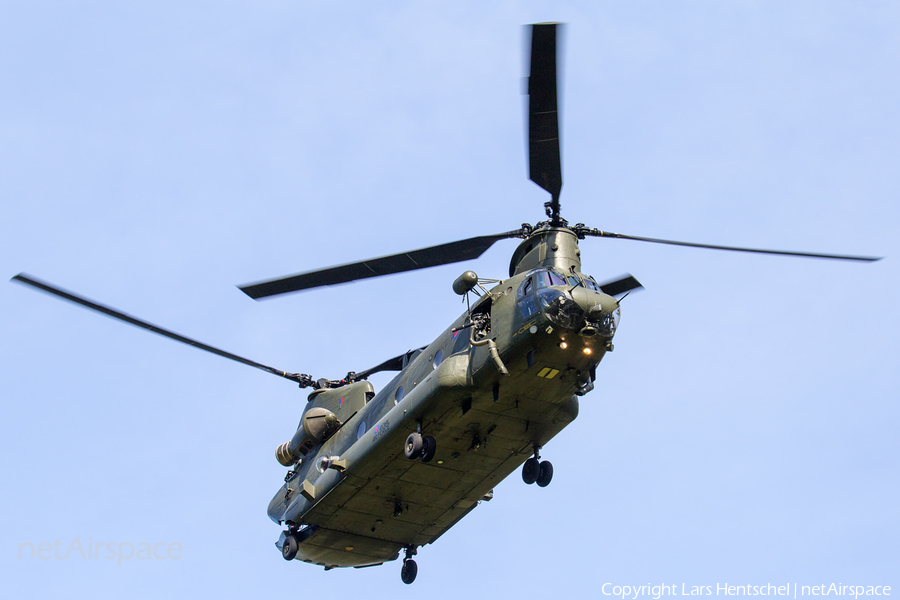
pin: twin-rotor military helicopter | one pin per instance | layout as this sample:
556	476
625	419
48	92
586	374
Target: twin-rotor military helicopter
371	475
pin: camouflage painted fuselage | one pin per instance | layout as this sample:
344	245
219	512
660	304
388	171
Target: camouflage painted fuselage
358	500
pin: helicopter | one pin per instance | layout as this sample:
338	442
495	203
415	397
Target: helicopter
373	475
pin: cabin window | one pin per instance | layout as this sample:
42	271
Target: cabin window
438	358
398	395
361	431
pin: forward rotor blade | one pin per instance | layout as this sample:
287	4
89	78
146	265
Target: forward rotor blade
376	267
543	114
620	286
303	380
622	236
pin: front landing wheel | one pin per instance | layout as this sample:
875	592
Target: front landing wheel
289	547
413	447
409	571
429	447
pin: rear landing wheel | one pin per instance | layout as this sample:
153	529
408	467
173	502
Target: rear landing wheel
409	571
531	470
289	548
545	473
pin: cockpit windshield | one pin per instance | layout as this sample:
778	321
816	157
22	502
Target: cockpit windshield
544	279
548	291
545	289
586	281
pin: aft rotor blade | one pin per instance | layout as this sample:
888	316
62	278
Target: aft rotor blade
622	236
543	114
398	363
300	378
620	286
376	267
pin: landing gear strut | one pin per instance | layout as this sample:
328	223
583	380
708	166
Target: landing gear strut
536	470
419	446
410	569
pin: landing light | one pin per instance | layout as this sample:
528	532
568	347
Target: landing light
563	345
587	350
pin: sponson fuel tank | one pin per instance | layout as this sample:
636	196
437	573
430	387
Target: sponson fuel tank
325	412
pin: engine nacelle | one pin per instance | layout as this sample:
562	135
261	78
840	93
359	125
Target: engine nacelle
284	455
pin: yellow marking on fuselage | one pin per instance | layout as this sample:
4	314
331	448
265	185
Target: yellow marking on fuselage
548	373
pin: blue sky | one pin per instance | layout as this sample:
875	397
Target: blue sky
155	155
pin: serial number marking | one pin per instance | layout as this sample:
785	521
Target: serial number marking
381	429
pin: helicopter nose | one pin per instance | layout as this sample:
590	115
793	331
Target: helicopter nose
594	304
598	308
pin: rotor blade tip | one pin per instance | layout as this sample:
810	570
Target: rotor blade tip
253	291
22	278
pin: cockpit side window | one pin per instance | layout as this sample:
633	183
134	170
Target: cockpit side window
527	305
524	289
